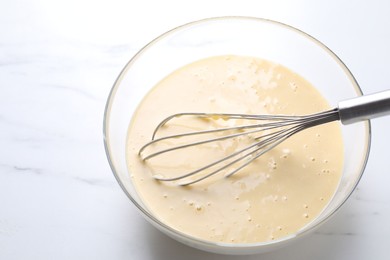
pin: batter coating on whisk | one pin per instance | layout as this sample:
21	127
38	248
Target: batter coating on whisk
274	196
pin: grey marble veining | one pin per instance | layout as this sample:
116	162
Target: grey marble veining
58	62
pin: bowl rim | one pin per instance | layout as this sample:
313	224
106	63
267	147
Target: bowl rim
208	243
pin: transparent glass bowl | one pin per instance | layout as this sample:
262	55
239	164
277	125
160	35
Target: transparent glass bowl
246	36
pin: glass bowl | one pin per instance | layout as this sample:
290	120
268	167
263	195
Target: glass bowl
245	36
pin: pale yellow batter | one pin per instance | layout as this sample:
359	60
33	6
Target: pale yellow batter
278	194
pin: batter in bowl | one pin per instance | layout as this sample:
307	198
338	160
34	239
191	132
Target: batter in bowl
275	196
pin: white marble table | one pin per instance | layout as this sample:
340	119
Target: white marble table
58	61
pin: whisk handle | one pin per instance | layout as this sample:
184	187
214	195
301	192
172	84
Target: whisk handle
364	107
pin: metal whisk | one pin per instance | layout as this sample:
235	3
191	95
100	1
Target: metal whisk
267	131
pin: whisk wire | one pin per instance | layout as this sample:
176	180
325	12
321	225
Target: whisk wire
287	125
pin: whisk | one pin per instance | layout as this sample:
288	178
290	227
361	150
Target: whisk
269	131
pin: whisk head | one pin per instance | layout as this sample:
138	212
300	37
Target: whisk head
250	136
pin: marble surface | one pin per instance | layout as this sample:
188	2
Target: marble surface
58	61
